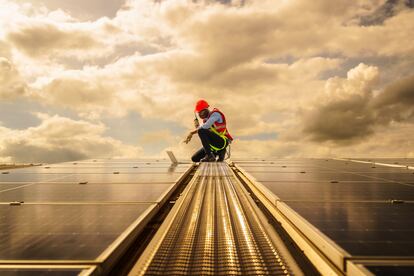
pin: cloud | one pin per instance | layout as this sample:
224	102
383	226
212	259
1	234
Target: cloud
12	85
388	141
59	139
396	102
88	96
85	10
161	136
352	111
45	38
385	11
340	121
56	36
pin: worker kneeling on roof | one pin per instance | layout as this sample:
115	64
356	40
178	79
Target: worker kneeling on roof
213	134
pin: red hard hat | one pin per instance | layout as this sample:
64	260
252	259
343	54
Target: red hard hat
200	105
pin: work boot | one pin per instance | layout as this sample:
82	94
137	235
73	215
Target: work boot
210	157
221	155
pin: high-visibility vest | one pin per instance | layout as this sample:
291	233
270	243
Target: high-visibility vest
220	128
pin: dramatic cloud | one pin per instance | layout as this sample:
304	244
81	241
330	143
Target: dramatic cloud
59	139
387	10
46	38
353	110
396	103
11	84
87	10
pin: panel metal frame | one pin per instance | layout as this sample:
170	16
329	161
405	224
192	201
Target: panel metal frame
357	269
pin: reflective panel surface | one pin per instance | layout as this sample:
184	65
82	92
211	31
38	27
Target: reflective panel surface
39	272
62	232
365	208
79	169
76	210
392	161
121	178
52	192
343	191
9	186
372	229
309	177
399	270
31	177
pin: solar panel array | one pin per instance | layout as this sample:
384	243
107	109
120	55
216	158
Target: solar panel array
77	212
392	161
366	209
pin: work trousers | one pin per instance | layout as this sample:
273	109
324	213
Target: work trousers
208	138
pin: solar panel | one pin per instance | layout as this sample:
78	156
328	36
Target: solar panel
365	208
406	177
287	162
309	176
51	192
112	177
8	186
130	170
78	211
63	232
44	270
30	177
400	270
120	178
363	228
372	168
40	272
391	161
285	169
343	191
111	163
103	168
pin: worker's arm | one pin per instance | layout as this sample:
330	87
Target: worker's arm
215	117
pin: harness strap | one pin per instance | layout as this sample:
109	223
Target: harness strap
222	135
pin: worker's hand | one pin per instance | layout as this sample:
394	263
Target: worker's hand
188	139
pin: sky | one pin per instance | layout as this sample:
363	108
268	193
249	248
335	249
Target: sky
295	78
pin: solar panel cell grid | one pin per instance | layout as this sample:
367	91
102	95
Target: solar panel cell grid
76	210
62	232
371	229
399	270
309	176
344	191
40	272
352	203
51	192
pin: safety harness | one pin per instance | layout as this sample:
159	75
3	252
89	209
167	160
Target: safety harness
221	130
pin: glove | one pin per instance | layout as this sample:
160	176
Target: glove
188	139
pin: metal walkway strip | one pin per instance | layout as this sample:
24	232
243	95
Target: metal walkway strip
214	229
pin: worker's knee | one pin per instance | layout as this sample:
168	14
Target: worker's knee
195	158
198	155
